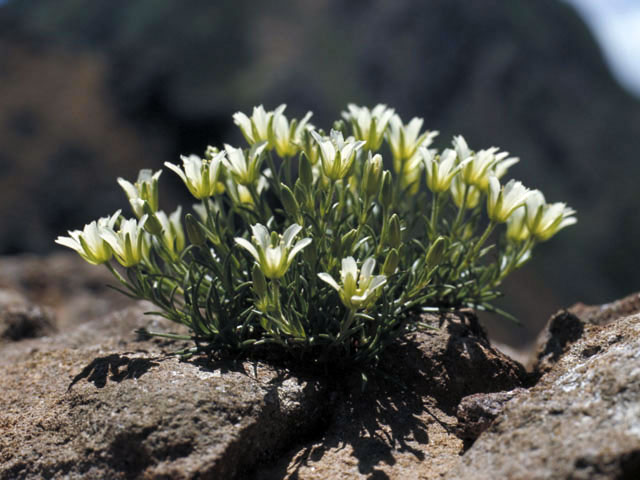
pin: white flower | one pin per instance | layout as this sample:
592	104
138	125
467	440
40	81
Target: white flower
337	154
200	176
477	171
544	220
274	253
241	194
404	141
462	149
458	189
309	146
245	170
369	125
129	244
483	164
357	291
145	189
440	171
88	242
517	230
287	137
256	129
502	201
172	231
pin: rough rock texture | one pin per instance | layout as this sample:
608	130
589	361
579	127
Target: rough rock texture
580	421
83	397
20	318
406	428
113	407
567	326
476	412
95	401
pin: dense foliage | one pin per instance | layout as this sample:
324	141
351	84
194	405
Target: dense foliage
305	242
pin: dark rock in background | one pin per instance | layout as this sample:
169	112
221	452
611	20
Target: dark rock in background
75	291
21	319
92	92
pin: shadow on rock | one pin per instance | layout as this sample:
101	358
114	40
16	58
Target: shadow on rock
404	420
113	367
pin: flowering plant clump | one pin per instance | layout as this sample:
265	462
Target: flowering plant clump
302	241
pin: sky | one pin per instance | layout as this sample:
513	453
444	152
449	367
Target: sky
616	26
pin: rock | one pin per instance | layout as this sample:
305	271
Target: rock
25	321
116	407
608	312
405	426
76	291
476	412
580	421
118	328
567	326
20	318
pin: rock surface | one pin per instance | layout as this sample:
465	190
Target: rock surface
95	401
476	412
74	290
103	405
567	326
84	397
580	421
20	318
406	428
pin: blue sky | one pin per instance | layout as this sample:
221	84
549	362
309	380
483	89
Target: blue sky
616	25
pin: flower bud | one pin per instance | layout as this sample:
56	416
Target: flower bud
289	201
152	225
194	231
436	252
394	234
386	191
259	281
372	175
347	241
305	171
391	262
340	126
211	152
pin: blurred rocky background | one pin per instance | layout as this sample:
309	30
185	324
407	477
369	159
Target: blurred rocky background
90	91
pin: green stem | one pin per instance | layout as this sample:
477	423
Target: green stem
116	274
476	247
528	244
209	222
287	165
461	210
434	214
346	324
483	239
274	172
328	200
